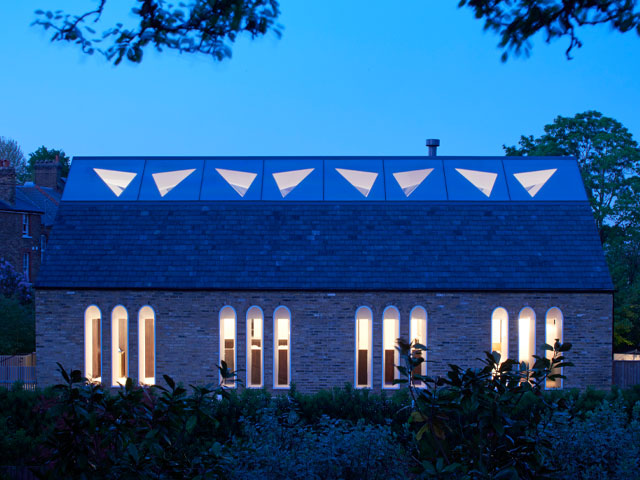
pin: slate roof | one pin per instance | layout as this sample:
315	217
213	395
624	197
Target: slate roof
44	199
438	246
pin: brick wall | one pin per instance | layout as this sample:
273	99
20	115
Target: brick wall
47	174
322	331
7	183
13	245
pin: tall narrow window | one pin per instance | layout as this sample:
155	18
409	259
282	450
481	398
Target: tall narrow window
390	356
43	246
419	335
526	336
228	341
147	346
500	333
92	344
554	322
364	319
119	346
255	322
26	267
282	357
25	225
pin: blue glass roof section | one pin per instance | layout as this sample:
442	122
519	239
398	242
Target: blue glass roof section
555	179
104	179
172	180
353	179
421	179
296	179
232	179
300	179
476	179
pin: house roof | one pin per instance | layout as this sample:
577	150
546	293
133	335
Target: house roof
22	203
44	199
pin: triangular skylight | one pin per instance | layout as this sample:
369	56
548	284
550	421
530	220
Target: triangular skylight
534	181
239	181
412	179
483	181
167	181
116	180
362	181
287	181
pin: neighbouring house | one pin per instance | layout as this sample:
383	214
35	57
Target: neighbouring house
27	213
305	270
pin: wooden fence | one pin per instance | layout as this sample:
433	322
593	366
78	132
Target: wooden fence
626	373
18	368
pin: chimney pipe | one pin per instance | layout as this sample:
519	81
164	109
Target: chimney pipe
433	144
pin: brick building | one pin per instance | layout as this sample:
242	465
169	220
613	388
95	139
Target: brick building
305	270
27	213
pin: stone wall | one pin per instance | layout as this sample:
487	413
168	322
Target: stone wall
322	331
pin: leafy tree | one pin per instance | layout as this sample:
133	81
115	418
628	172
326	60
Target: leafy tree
210	26
517	21
609	160
45	154
201	26
10	150
17	313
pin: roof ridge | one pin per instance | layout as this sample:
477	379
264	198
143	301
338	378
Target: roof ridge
46	194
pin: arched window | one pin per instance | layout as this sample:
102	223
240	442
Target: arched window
554	322
500	333
228	341
526	336
147	346
282	347
390	356
419	335
364	320
255	322
119	346
93	344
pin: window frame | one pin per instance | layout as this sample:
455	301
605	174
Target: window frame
142	380
88	344
504	344
249	349
396	356
26	226
115	341
232	382
276	386
532	336
549	354
369	350
412	334
26	266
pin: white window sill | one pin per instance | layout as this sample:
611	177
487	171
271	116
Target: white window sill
26	236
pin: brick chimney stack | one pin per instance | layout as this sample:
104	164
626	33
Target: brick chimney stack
46	173
7	182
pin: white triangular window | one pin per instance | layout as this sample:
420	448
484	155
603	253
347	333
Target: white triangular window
239	181
534	181
167	181
287	181
412	179
362	181
116	180
483	181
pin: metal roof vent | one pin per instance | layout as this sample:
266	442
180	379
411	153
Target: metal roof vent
433	144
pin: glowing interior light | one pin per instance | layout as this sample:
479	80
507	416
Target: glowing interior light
283	330
362	181
116	180
390	334
483	181
229	328
239	181
287	181
412	179
167	181
363	334
534	181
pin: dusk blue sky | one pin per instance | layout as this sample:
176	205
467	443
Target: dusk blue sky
349	77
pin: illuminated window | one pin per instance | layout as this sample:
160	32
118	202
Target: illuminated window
526	336
117	181
228	342
411	180
239	181
483	181
92	344
500	333
119	346
419	335
534	181
167	181
287	181
255	322
361	181
282	347
554	322
390	356
147	346
364	319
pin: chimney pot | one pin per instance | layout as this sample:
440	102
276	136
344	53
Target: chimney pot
433	144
